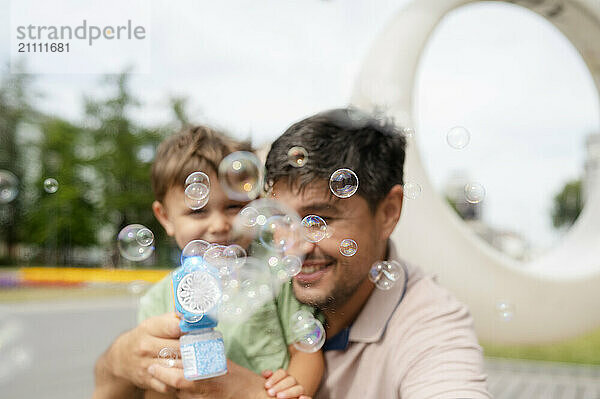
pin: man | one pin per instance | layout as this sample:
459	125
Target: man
413	341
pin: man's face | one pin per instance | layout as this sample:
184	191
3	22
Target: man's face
211	223
329	279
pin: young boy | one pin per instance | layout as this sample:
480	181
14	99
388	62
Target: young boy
260	343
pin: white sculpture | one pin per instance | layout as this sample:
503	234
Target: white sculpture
556	296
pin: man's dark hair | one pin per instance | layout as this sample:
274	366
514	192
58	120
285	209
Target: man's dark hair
341	138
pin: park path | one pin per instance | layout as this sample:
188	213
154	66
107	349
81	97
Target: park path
48	351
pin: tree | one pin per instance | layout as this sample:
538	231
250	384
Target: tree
15	97
568	204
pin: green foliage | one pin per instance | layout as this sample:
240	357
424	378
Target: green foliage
568	204
102	165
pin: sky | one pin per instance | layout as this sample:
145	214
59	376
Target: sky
253	67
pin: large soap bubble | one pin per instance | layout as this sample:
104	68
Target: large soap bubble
193	249
314	228
386	274
135	243
343	183
308	332
241	176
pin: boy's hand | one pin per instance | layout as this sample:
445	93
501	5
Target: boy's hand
282	385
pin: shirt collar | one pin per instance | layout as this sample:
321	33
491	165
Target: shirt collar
373	319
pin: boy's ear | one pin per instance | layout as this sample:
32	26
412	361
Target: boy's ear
160	212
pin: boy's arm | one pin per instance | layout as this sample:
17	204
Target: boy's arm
306	368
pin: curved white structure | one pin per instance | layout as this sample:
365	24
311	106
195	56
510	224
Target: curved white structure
555	297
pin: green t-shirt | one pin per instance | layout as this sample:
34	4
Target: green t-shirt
258	343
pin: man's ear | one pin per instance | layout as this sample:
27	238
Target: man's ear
388	211
160	212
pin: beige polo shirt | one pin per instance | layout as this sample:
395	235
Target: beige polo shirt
411	342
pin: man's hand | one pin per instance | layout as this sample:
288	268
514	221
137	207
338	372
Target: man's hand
239	382
124	366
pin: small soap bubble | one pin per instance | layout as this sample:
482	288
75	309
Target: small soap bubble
198	178
137	287
273	261
240	175
144	237
343	183
315	228
196	191
297	156
249	216
348	247
505	311
50	185
412	190
308	332
474	192
249	289
408	132
458	137
195	204
385	274
215	256
168	356
279	233
235	255
292	265
193	249
129	246
9	187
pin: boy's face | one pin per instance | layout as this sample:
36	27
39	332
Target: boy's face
211	223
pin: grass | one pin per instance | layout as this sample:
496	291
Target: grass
583	349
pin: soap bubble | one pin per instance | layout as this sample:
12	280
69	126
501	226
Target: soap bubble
297	156
128	244
198	292
279	232
385	274
292	265
412	190
137	287
315	228
199	178
194	249
348	247
9	187
505	311
144	237
408	132
277	228
214	256
249	289
235	255
249	215
458	137
343	183
168	356
474	192
50	185
195	204
197	190
241	176
308	332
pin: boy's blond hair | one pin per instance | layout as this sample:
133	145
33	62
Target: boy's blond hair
195	148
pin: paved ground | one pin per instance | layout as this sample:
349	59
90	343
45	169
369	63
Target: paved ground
48	351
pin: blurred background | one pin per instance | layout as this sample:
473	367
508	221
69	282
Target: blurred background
76	151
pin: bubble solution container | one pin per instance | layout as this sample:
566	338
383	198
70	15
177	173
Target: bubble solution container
197	292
